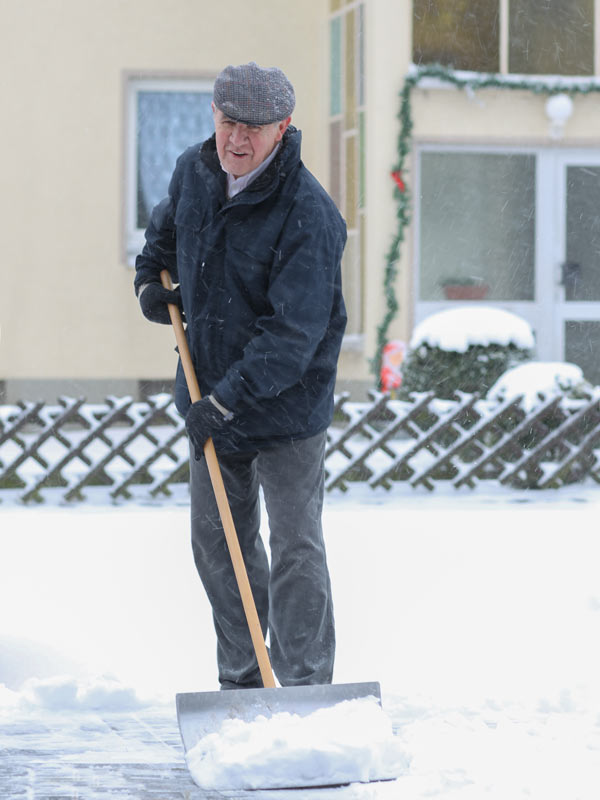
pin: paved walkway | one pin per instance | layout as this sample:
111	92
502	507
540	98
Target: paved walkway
103	756
63	755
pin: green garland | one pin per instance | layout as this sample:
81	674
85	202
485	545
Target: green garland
462	80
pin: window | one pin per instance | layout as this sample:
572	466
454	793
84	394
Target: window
347	106
164	117
543	37
551	37
477	224
463	34
582	229
582	347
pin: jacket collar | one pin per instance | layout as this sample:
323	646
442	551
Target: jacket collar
286	159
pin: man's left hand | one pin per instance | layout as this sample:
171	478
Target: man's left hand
202	421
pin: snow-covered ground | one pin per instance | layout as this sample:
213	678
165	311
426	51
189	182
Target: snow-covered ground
479	613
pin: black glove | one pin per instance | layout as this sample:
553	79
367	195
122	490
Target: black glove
202	421
154	299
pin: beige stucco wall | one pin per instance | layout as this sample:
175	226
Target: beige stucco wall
499	116
67	309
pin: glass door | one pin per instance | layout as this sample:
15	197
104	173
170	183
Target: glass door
578	275
478	217
518	230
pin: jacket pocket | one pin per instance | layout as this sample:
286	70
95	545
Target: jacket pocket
249	272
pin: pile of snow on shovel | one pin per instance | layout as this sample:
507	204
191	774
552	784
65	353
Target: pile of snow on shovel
352	741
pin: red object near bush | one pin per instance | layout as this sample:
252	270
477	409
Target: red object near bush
392	357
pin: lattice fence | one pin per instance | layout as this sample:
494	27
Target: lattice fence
140	449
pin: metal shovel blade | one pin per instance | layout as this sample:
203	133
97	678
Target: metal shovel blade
201	713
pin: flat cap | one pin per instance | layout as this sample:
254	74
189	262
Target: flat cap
254	95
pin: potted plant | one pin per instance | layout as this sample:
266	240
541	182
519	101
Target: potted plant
464	287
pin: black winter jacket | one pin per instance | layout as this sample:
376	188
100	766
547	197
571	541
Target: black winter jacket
260	280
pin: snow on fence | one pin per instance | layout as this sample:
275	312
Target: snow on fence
140	449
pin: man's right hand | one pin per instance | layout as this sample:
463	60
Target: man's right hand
202	420
154	299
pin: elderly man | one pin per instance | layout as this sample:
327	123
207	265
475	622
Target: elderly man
255	244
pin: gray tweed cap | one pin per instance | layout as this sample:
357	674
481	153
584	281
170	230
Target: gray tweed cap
254	95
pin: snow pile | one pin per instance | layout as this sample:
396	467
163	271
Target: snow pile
22	658
457	329
502	755
352	741
536	379
66	693
8	698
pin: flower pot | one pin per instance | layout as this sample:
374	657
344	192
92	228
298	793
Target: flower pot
470	292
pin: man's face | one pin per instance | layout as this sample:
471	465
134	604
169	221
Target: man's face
242	148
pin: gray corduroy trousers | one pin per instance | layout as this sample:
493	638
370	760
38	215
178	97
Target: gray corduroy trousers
293	592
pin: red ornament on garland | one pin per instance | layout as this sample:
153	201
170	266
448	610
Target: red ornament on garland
397	176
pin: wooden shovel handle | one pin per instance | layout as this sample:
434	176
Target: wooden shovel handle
239	567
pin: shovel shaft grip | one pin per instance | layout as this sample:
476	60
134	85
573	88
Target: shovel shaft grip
231	537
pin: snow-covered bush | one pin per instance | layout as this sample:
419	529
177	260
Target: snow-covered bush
537	380
464	349
535	383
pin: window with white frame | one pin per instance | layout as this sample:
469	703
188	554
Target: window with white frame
165	116
543	37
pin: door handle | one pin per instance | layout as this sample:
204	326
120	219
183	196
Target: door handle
570	273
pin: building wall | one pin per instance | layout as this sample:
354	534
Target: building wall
389	54
441	114
387	27
70	323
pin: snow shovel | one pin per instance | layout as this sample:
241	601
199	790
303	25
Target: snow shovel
201	713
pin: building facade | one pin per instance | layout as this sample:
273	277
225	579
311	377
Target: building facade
483	170
506	179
